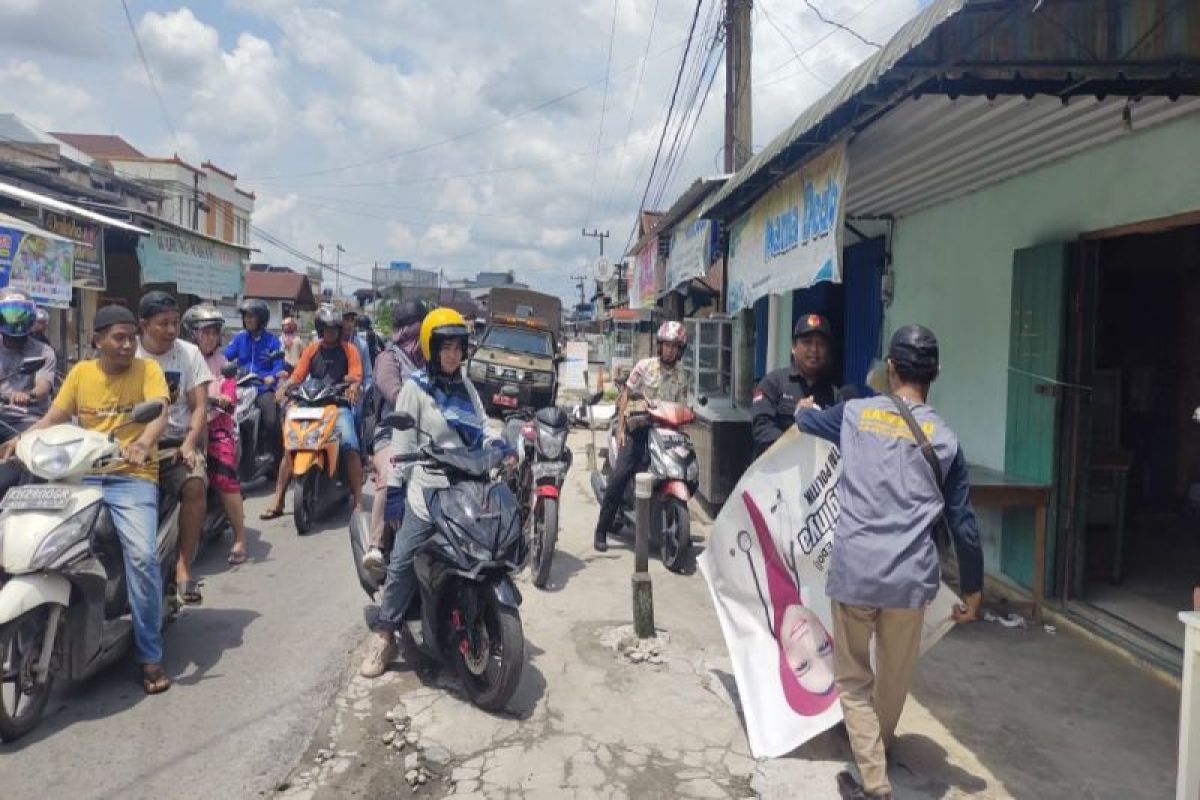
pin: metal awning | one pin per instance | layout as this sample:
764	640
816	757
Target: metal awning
44	201
17	224
986	49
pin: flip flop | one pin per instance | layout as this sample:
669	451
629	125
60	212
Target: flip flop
154	679
189	593
271	513
237	557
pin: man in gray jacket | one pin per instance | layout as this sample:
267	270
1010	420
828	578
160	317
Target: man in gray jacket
884	570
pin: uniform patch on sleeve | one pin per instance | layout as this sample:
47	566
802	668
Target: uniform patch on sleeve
758	395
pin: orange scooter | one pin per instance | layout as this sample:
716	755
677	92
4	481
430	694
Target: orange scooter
310	436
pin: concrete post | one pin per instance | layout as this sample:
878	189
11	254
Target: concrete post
643	594
1187	785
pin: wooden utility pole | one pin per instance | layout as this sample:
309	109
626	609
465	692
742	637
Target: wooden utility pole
738	42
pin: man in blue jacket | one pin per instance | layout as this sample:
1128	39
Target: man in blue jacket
884	570
260	352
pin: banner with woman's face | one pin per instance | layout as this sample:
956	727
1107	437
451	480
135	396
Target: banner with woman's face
766	564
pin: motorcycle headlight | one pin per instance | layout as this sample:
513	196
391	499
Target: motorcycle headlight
53	462
477	370
550	443
71	531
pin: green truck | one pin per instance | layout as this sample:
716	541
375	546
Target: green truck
518	348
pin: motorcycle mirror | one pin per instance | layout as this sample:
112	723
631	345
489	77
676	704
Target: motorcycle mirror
147	412
510	391
230	370
31	365
702	400
594	398
400	421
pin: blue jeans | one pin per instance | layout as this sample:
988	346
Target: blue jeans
133	503
401	582
346	428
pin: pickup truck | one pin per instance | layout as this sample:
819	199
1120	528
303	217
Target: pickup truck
519	348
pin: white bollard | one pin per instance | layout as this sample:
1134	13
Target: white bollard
1187	786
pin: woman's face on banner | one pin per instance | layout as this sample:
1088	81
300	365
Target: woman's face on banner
808	649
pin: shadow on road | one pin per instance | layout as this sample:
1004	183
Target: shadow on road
564	567
201	637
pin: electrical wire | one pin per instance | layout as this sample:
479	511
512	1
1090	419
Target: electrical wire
841	26
771	20
162	106
612	33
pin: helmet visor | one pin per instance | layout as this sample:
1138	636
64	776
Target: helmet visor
16	317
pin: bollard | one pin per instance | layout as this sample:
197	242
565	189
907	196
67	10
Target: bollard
1187	786
643	593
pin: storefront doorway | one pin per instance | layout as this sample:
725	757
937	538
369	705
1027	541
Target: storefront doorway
1134	544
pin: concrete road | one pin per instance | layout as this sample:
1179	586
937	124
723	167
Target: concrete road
253	666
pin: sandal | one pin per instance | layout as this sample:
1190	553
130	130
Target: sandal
271	513
189	593
236	557
154	679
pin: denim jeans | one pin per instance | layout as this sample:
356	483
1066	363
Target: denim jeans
401	582
133	503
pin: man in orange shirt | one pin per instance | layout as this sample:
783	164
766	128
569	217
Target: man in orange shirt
334	360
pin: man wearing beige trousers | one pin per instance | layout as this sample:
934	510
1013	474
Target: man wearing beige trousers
902	473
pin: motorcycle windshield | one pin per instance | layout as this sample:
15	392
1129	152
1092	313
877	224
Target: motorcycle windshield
314	391
473	463
485	514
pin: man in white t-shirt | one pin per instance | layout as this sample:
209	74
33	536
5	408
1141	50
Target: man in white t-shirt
186	476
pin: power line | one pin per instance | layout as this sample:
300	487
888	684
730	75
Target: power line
612	33
818	41
666	122
840	26
788	41
149	73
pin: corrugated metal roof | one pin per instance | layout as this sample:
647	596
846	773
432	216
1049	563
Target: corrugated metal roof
41	200
991	48
280	286
693	196
100	145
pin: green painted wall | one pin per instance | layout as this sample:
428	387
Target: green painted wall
953	262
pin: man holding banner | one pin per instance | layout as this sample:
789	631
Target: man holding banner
903	473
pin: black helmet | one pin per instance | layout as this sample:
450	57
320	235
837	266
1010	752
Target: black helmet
156	302
407	313
364	322
914	351
327	317
257	307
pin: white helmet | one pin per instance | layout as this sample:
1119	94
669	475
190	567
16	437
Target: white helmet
673	332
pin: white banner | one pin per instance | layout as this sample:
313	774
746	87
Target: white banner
765	565
792	237
691	250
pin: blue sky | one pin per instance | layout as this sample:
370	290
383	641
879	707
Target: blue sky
402	128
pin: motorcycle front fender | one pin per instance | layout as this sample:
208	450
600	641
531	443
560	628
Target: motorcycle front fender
303	460
506	592
674	489
24	592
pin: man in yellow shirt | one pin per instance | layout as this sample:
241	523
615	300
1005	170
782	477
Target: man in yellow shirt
101	393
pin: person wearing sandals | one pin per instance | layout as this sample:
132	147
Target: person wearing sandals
101	392
186	475
204	324
393	367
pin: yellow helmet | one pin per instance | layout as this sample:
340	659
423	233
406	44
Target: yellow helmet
442	323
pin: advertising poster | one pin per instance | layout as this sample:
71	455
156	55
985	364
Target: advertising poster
765	566
39	266
88	269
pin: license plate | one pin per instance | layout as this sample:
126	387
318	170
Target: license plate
306	413
547	469
504	400
36	498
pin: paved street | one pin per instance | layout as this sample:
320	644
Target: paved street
253	667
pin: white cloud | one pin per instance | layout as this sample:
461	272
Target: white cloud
47	103
179	47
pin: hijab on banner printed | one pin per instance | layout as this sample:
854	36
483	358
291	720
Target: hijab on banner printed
766	567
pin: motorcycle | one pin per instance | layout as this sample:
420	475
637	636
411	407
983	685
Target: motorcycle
676	477
64	609
466	609
540	441
310	436
216	522
257	458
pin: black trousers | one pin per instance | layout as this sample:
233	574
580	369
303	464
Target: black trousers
629	461
269	422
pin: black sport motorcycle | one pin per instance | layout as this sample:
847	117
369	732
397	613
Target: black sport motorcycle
466	609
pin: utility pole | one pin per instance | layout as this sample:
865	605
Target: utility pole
738	41
337	269
581	281
596	234
374	292
321	261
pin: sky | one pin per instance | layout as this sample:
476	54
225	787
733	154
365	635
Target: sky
457	136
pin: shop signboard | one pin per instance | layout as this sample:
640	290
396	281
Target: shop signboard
691	250
641	288
792	237
38	265
88	271
196	266
766	563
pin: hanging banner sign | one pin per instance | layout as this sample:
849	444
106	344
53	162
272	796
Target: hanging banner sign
196	266
88	271
765	565
39	266
792	237
691	250
641	288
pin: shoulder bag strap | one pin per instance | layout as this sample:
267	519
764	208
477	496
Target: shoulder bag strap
941	529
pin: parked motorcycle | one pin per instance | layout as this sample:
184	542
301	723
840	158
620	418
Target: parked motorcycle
64	609
311	437
540	441
466	610
676	477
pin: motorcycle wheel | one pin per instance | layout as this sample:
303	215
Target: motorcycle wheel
304	501
675	531
545	535
22	699
491	675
